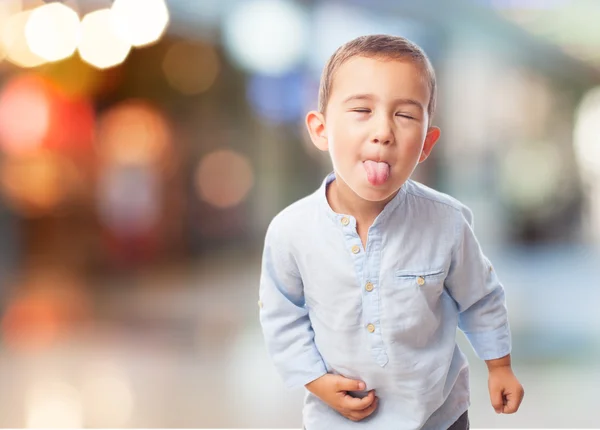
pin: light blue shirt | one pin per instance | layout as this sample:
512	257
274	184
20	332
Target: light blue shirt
387	314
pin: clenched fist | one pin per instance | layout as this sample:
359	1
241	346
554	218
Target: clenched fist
333	390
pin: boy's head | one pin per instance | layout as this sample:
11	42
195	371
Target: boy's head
376	100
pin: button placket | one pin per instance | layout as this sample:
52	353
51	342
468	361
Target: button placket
371	298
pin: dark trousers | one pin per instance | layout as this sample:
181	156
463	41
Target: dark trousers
462	423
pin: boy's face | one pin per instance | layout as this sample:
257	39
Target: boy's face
376	125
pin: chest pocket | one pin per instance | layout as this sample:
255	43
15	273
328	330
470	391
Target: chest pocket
428	281
413	302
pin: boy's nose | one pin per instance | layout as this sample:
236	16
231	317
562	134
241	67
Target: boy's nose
382	140
382	132
384	137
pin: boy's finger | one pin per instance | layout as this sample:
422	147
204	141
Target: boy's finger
357	404
497	400
368	410
372	402
513	402
346	384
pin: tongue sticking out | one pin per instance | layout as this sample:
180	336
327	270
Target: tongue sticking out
377	172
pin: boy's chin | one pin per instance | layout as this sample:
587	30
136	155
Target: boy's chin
375	195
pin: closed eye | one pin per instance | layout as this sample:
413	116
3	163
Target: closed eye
361	110
405	116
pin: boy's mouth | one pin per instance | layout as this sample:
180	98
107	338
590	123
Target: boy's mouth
377	171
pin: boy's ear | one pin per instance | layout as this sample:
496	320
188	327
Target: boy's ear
315	122
433	134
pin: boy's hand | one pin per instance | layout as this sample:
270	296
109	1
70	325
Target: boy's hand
333	390
506	393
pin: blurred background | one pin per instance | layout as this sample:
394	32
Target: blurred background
146	144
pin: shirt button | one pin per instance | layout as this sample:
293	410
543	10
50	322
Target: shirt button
420	280
371	328
260	305
369	286
345	221
355	249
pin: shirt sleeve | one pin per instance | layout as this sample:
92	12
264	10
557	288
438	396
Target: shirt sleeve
473	284
286	327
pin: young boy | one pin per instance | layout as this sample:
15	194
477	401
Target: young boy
365	281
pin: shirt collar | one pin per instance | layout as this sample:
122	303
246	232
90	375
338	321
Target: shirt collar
334	216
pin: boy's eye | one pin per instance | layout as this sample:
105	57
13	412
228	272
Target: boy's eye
403	115
361	110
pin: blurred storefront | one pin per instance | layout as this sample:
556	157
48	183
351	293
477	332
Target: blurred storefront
146	144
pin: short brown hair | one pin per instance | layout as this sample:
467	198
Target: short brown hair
377	46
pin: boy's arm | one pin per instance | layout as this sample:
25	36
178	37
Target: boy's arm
473	284
284	318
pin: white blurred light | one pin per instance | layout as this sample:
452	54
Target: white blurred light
7	9
587	133
15	42
587	150
267	36
53	31
54	404
100	44
140	22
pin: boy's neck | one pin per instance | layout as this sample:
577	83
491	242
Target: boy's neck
343	200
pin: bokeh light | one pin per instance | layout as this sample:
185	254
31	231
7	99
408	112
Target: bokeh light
531	173
134	144
38	184
30	323
7	9
587	133
587	151
50	303
129	199
36	113
15	43
24	114
100	44
278	98
51	403
53	31
267	36
134	133
78	78
140	22
191	68
224	178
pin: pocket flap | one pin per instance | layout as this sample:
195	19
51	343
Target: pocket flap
412	273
